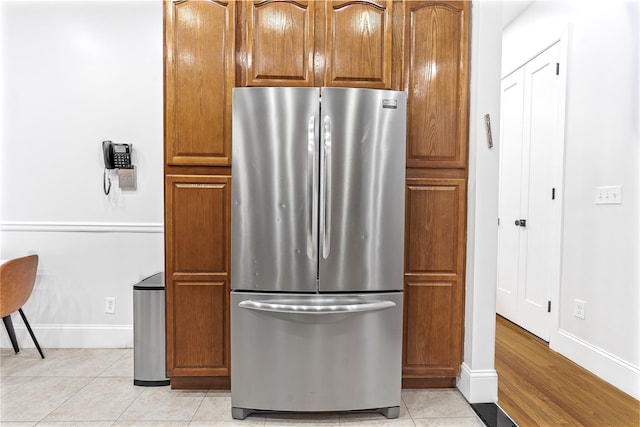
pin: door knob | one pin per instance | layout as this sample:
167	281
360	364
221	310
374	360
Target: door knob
521	222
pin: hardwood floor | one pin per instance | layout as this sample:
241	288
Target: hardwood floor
539	387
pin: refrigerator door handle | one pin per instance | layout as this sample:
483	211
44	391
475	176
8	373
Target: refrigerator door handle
284	307
326	194
312	203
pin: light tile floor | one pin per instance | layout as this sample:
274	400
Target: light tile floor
94	387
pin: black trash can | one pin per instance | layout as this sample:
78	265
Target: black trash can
149	353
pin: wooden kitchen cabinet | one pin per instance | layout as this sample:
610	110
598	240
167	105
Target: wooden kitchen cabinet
358	44
436	58
434	278
211	46
322	43
197	266
199	79
279	42
200	70
437	83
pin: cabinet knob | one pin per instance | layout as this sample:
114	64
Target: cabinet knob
521	222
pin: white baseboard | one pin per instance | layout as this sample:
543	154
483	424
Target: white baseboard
71	336
610	368
479	386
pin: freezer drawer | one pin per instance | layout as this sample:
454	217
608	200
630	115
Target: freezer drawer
296	352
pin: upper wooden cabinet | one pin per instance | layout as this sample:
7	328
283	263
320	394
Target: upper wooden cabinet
358	44
279	43
323	43
199	78
437	82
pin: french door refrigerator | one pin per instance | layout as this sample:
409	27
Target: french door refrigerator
317	249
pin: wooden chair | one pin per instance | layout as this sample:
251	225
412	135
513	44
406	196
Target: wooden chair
17	277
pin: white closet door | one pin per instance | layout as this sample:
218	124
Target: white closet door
540	135
512	100
530	135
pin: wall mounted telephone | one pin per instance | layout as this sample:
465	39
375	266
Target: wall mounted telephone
116	156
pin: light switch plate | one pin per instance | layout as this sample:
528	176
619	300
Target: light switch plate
609	195
578	308
110	305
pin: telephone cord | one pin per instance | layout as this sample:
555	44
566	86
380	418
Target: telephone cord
106	182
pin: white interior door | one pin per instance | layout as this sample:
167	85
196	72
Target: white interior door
530	136
512	100
538	195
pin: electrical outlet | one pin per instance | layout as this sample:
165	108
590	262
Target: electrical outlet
578	308
110	305
609	195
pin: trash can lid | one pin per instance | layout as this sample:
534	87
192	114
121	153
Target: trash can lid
151	283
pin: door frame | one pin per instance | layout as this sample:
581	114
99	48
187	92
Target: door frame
564	41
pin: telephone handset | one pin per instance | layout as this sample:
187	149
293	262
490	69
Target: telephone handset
116	156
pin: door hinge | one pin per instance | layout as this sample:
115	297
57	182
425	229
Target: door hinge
498	221
557	68
553	194
549	307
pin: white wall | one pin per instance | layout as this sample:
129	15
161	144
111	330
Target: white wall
74	74
478	379
600	244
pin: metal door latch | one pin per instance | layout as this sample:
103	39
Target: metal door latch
521	222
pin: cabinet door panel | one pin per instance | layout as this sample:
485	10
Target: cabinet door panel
197	234
199	224
437	53
434	241
280	37
433	339
358	44
200	328
199	78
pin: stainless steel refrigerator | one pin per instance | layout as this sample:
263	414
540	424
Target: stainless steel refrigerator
317	249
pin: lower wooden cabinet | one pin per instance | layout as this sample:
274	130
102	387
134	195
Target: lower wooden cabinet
433	334
197	265
198	280
434	281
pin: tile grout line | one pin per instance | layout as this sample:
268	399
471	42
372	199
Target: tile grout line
42	376
407	406
69	397
128	406
93	378
198	408
17	388
134	400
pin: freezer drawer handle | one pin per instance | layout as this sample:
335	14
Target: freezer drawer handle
281	307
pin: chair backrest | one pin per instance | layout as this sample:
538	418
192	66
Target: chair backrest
17	278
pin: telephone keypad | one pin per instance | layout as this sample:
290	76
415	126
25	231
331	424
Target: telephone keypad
122	160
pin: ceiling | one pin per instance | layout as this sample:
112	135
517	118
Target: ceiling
511	9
